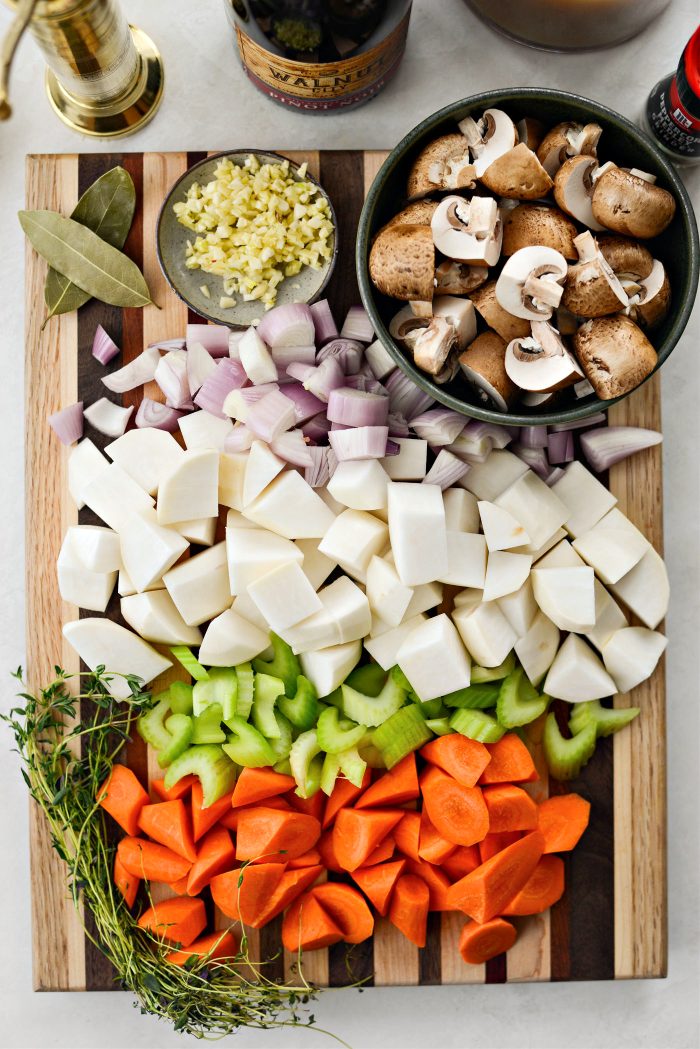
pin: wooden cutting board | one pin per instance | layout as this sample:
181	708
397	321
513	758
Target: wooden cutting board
611	923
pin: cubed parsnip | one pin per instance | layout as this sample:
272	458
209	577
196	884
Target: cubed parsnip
425	597
645	589
384	647
146	454
149	550
537	648
96	548
353	539
328	668
466	560
417	532
262	468
200	530
486	632
360	484
535	506
232	467
317	567
434	659
114	497
245	607
586	499
577	674
388	597
229	639
284	596
332	504
489	479
631	655
566	596
461	510
612	547
125	587
501	530
520	608
348	606
199	586
562	555
538	553
469	597
85	462
411	462
100	642
253	552
235	519
189	490
154	616
291	508
319	630
609	617
256	358
202	430
79	585
506	572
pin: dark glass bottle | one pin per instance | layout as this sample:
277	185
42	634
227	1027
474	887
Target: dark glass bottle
320	55
672	112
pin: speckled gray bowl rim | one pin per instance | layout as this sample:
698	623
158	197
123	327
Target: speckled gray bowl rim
493	98
265	155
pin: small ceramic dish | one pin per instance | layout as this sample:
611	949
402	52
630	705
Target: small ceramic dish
171	242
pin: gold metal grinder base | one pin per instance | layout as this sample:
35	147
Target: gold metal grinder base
121	116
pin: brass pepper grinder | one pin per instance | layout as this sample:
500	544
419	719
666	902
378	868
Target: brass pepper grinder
104	77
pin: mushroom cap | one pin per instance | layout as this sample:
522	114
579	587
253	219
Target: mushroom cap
573	189
655	299
530	283
517	174
442	164
592	289
553	149
498	136
402	262
541	363
505	324
626	203
404	322
418	213
615	355
529	224
468	230
483	366
624	255
459	278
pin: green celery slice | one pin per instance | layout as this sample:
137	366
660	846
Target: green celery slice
607	719
207	725
302	709
566	757
352	765
403	732
246	746
336	734
369	679
329	772
194	668
216	773
519	702
181	701
373	710
180	727
371	753
283	767
220	687
151	724
477	724
431	708
304	750
283	665
246	690
439	726
282	744
267	691
480	675
474	697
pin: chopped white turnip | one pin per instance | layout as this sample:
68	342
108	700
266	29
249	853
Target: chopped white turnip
434	659
100	642
199	586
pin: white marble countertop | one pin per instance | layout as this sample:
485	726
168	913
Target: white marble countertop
210	105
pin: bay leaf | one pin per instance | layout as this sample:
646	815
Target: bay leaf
107	208
88	261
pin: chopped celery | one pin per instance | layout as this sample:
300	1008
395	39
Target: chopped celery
246	746
220	687
477	724
151	724
402	733
216	773
336	733
335	698
352	765
431	708
283	665
304	749
207	725
313	778
302	708
180	697
482	674
194	668
566	757
180	729
282	744
475	697
246	690
439	726
283	767
373	710
607	719
519	702
369	679
267	692
400	679
329	772
371	753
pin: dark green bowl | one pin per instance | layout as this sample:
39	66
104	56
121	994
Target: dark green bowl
622	142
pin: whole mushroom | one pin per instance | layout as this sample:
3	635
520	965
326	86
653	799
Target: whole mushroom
468	230
459	278
615	355
418	213
625	257
505	324
541	363
568	139
483	366
402	262
531	224
442	164
592	289
628	203
573	189
517	175
530	284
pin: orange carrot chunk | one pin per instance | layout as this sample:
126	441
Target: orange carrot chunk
203	819
313	806
542	889
167	822
128	884
408	910
180	886
462	758
463	860
511	762
291	884
347	908
510	808
308	927
344	793
437	881
179	920
147	859
327	851
378	882
407	835
308	859
215	854
458	813
563	819
394	787
432	846
479	943
123	797
231	816
255	785
485	892
182	787
383	852
357	833
271	834
494	843
214	945
243	893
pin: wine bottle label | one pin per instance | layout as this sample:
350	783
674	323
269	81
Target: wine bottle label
671	122
324	85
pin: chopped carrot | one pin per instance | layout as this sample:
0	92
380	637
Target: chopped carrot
291	884
177	791
542	889
313	806
215	854
203	819
178	920
180	886
167	822
327	850
494	843
463	860
462	758
128	884
378	882
344	793
255	785
147	859
308	927
394	787
408	910
563	819
479	943
510	808
435	878
458	813
485	892
215	945
356	834
383	852
123	797
407	835
243	894
511	762
230	817
432	846
347	908
307	859
271	834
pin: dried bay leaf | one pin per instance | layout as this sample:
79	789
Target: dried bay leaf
107	208
88	261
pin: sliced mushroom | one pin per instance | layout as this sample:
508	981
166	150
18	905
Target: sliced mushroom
483	366
530	131
518	175
626	257
442	164
404	323
459	278
402	262
538	400
529	224
592	289
573	189
461	315
541	363
449	370
488	138
568	139
530	284
629	204
468	230
503	323
615	354
431	345
650	305
418	213
421	309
